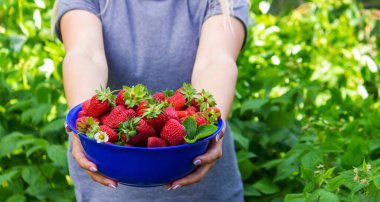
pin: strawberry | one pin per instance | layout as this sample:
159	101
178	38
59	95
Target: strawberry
205	100
173	132
178	101
155	116
188	92
134	95
213	114
85	104
87	125
120	97
136	131
200	119
159	96
112	135
191	110
182	119
103	118
119	114
141	107
81	114
181	114
178	91
100	103
171	113
156	142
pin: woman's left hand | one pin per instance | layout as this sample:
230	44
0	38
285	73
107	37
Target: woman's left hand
205	163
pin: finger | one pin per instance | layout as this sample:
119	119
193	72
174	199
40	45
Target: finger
193	178
67	127
213	153
97	177
79	156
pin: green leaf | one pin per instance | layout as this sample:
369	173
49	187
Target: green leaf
8	176
190	126
54	126
16	198
244	155
32	175
57	153
202	132
295	198
35	114
253	105
266	186
376	181
250	191
246	169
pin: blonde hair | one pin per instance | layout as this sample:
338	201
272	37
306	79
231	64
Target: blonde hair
225	5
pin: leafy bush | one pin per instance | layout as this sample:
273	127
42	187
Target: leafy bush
32	107
305	117
306	110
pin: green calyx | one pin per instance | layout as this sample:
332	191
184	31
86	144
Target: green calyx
106	94
188	92
88	127
205	100
154	109
212	116
135	94
129	128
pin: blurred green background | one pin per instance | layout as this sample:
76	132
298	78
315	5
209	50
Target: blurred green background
306	117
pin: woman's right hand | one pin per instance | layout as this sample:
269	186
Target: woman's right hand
84	163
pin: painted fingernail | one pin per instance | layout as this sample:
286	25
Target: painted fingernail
112	186
93	169
177	186
217	138
169	188
197	162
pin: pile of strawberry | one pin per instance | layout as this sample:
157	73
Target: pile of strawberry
137	117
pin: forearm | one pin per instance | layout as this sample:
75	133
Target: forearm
82	75
219	77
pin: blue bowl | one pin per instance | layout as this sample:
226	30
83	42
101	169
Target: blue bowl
140	166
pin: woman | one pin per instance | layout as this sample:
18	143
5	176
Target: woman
161	44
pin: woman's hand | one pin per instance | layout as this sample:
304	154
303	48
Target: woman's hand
205	163
83	162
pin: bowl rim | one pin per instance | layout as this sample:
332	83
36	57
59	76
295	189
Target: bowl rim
77	108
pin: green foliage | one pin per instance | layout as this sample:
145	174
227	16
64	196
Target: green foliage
33	162
306	110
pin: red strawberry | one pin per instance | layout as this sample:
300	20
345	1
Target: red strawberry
81	114
200	120
86	125
141	107
171	113
178	101
120	98
159	96
112	135
182	119
155	116
134	95
181	114
192	110
173	132
136	132
156	142
85	104
214	113
178	91
193	103
100	103
103	118
205	100
119	114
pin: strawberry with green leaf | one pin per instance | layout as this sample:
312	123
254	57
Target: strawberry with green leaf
155	115
100	103
87	125
132	96
194	133
205	100
136	131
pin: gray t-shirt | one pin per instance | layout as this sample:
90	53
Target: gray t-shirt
154	42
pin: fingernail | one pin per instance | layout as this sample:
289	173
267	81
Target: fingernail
197	162
169	188
217	138
93	169
112	186
177	186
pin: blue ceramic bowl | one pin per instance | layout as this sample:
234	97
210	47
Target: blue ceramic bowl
140	166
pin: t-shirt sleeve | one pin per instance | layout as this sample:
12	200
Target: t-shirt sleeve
65	6
239	10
